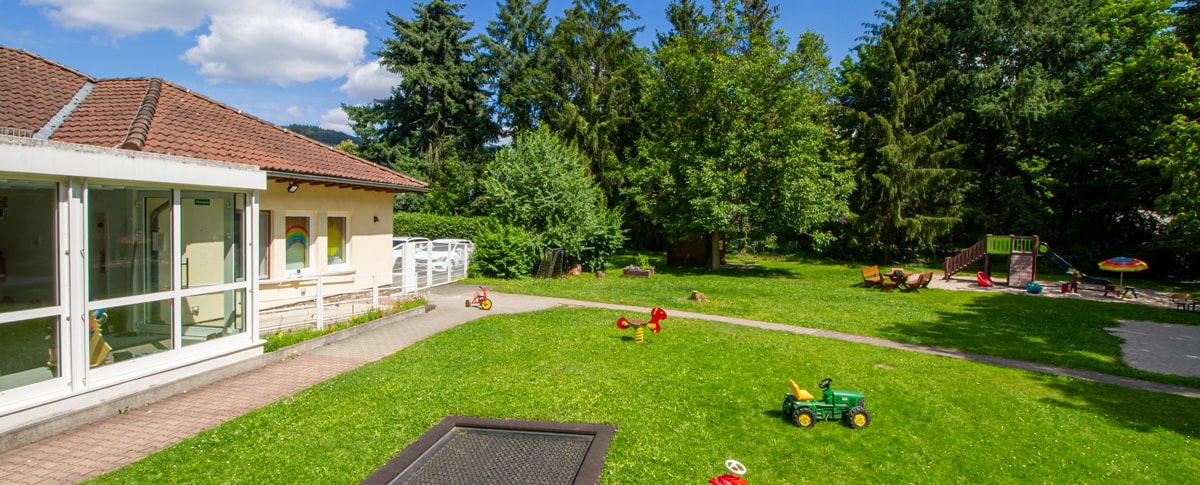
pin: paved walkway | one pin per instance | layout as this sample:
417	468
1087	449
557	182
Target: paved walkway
104	446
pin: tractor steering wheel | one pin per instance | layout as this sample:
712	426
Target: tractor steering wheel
825	383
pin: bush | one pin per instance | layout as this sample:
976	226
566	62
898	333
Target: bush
503	251
436	227
540	183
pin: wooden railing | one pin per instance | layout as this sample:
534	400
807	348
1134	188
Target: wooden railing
961	260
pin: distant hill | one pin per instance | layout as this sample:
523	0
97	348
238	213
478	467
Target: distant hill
328	137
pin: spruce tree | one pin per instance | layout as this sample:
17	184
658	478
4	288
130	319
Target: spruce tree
908	193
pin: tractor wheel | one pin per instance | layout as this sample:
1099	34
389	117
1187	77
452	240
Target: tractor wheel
858	417
804	418
486	304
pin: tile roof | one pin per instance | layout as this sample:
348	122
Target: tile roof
33	90
153	115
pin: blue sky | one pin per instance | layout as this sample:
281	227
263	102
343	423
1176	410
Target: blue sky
297	61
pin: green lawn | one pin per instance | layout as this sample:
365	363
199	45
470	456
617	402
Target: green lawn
824	295
697	394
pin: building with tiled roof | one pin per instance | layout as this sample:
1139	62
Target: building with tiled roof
144	230
51	101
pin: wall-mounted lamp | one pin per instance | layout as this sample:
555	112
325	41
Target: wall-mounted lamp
376	218
293	187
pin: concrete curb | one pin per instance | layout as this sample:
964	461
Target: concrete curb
340	335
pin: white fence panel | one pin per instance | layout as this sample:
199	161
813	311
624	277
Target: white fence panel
420	266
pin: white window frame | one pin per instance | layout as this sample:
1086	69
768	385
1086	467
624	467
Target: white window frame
345	242
311	249
262	244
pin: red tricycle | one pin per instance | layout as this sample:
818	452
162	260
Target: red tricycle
480	298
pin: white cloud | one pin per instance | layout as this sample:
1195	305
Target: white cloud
369	82
276	41
336	119
293	113
129	17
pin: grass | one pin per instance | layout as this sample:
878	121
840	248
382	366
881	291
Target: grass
695	395
1064	332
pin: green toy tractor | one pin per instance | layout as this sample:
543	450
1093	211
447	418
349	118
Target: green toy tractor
804	410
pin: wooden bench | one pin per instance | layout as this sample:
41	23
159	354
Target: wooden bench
871	277
921	281
1184	301
1121	291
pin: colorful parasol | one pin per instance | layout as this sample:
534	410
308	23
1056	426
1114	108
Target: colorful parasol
1123	265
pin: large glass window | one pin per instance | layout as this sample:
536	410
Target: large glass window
129	241
211	237
28	238
28	281
128	332
336	237
213	315
28	352
298	241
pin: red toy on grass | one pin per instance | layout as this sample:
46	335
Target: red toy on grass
639	332
729	478
983	279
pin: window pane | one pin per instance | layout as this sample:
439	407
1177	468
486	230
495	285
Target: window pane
27	352
129	332
264	244
213	315
129	241
210	237
28	219
297	242
336	236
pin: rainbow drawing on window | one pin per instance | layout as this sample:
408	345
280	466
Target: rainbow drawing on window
297	235
296	244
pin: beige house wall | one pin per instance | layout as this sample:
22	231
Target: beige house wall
369	247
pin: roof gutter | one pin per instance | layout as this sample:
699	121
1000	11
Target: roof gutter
336	180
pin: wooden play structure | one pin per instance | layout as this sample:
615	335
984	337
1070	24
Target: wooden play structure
1022	252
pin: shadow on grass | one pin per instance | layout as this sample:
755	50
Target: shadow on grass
1140	411
1068	333
754	272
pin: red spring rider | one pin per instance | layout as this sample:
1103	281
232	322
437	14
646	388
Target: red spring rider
639	326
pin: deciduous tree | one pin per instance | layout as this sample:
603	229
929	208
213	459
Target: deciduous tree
738	133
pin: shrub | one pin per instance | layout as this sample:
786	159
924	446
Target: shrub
503	251
436	227
540	183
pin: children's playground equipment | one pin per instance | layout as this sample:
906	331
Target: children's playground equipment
639	326
480	298
550	266
1022	252
804	410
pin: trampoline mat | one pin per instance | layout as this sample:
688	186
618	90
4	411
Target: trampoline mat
463	450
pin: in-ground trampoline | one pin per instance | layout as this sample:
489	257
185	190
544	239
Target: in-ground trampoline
466	450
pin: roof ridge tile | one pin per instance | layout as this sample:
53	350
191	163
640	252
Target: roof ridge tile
139	127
